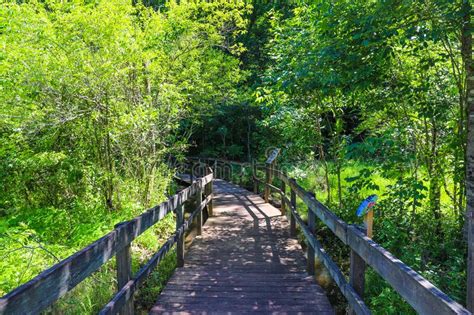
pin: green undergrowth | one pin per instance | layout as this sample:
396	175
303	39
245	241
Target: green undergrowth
36	239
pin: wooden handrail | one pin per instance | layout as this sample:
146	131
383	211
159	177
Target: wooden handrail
121	297
43	290
421	294
352	297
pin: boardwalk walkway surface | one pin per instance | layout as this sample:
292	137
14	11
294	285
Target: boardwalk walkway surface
244	262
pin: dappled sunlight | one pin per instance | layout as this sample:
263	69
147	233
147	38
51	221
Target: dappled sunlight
244	261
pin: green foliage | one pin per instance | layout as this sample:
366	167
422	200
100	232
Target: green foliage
363	97
93	96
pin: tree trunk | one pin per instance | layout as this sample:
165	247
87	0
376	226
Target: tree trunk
249	153
322	158
435	180
339	186
466	51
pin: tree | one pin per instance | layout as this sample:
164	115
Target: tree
466	50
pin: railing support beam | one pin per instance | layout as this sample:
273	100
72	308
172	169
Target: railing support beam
283	193
310	250
208	192
357	276
292	218
180	242
124	273
199	215
268	180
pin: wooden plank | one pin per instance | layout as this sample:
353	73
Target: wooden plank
254	177
199	214
208	192
233	275
242	282
299	297
126	292
277	287
274	188
243	297
261	268
283	195
238	305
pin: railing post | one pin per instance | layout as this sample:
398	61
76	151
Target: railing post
357	275
310	250
209	193
199	215
268	179
180	241
124	273
283	194
293	204
254	176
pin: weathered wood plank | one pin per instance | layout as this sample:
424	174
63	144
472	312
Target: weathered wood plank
229	276
290	296
287	300
277	287
283	195
237	306
268	179
274	188
199	214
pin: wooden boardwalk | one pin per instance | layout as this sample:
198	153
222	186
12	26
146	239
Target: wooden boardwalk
244	262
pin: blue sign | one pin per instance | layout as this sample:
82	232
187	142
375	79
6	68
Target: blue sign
365	205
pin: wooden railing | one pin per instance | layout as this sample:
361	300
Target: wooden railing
42	291
422	295
231	171
45	289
